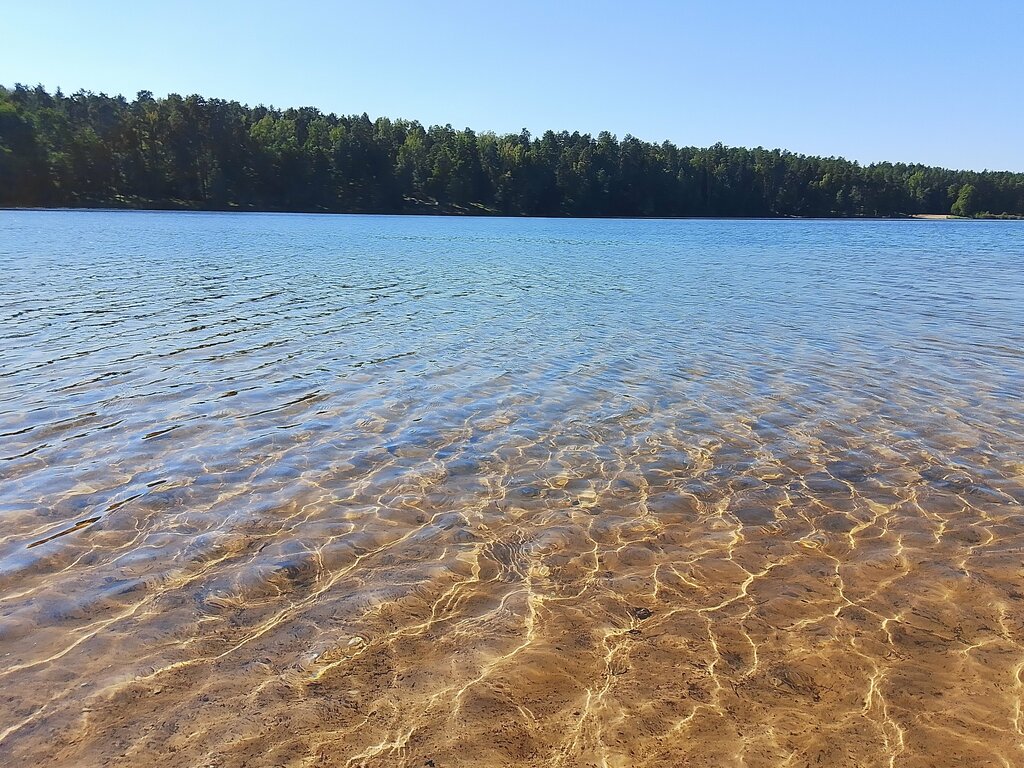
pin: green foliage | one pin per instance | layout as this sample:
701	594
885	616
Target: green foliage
93	149
966	201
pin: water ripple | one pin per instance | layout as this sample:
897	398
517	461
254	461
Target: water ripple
375	490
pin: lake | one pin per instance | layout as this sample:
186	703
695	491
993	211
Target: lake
358	490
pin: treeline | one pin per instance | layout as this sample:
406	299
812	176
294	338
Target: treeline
90	149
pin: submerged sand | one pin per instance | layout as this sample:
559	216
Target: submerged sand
793	615
545	493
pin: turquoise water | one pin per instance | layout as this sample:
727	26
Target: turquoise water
234	437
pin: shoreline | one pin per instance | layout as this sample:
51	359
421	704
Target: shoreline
456	214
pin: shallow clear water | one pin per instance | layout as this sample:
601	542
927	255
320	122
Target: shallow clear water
341	490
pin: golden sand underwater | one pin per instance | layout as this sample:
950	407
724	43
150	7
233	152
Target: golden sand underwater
386	515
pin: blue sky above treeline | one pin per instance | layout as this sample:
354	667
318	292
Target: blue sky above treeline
937	82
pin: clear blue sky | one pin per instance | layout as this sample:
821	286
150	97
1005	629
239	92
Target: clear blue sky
939	82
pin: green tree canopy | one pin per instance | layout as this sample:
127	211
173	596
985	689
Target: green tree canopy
966	201
88	149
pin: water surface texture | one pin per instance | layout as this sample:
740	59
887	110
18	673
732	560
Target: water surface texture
282	490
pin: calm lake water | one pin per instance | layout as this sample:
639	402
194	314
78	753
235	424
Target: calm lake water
337	490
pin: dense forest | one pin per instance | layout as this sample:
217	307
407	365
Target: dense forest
90	149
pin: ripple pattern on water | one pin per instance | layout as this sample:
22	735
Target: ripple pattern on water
301	490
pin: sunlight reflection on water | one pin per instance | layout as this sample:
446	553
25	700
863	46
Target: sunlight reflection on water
280	489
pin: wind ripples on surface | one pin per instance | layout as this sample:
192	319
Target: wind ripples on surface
302	490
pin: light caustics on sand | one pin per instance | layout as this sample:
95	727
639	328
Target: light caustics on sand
285	490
